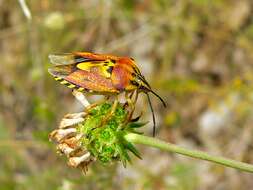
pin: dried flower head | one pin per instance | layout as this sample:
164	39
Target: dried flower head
96	134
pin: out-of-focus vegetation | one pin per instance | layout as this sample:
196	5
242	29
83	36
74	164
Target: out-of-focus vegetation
196	53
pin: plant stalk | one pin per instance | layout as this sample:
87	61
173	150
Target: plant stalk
156	143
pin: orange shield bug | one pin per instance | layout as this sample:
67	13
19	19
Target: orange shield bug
101	74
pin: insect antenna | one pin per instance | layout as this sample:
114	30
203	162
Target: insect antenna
164	104
153	114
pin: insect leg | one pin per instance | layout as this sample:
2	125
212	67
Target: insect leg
136	96
113	109
128	98
102	101
107	97
153	114
99	102
80	96
114	106
131	101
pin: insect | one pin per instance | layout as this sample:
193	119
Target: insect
102	74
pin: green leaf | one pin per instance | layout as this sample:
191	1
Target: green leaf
132	148
136	125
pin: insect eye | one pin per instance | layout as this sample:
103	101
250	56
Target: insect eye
138	80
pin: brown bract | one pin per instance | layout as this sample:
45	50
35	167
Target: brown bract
68	141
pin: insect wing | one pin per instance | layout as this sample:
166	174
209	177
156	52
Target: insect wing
61	71
62	59
91	82
68	58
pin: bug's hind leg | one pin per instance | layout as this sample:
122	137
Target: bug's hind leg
81	98
99	102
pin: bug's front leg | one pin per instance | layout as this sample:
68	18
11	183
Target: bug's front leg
131	101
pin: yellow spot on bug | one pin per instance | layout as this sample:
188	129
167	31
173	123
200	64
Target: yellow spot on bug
58	78
64	82
80	89
71	86
103	66
85	66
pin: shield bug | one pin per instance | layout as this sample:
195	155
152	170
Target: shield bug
101	74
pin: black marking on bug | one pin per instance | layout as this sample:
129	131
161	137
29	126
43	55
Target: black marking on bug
109	70
136	70
58	79
66	83
80	59
133	82
113	61
77	86
71	85
140	76
132	58
143	80
133	75
80	89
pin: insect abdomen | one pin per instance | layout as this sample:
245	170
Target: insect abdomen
68	84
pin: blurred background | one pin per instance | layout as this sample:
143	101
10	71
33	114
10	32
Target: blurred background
197	54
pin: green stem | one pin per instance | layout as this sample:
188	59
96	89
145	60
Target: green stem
153	142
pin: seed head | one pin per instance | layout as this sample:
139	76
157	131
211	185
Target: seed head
97	134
